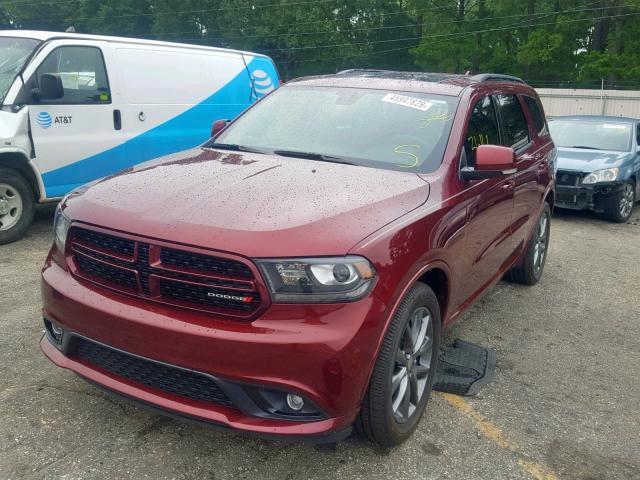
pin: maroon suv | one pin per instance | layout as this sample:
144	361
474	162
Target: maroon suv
292	276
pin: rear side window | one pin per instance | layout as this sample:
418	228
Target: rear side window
537	115
514	124
482	129
83	74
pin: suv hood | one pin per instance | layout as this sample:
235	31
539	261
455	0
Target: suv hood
250	204
590	160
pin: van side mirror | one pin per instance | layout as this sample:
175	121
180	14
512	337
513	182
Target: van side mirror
50	87
491	161
218	126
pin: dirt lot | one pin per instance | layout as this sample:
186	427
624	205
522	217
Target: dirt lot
564	403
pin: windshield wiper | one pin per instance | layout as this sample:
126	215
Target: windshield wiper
233	146
586	147
312	156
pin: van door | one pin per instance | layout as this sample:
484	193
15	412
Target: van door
70	130
172	96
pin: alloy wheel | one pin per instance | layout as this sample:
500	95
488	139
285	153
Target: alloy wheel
10	206
412	365
541	240
626	201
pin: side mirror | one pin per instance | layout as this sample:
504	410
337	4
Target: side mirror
50	87
218	126
491	161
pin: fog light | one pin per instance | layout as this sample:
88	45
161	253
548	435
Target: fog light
295	402
55	332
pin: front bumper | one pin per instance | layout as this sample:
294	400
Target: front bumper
586	197
324	353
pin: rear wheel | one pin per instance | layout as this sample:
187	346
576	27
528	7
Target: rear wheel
618	208
17	205
530	271
403	375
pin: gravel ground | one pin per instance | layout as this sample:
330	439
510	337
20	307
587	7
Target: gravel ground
563	403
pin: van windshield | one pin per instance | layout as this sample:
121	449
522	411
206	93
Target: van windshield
404	131
14	52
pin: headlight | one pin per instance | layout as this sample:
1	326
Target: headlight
318	280
606	175
60	228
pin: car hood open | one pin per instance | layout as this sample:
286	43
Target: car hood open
251	204
588	161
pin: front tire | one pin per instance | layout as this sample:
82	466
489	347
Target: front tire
17	205
619	207
530	271
403	375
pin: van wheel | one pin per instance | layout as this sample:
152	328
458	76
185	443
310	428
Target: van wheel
403	375
17	205
618	207
530	271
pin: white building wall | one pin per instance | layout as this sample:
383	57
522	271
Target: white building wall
619	103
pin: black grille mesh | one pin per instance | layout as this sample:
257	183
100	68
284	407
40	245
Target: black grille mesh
196	261
198	294
114	275
106	242
177	381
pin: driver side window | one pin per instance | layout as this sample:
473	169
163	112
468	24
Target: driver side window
481	130
83	74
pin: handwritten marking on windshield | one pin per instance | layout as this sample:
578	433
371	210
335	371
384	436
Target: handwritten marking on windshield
398	150
436	117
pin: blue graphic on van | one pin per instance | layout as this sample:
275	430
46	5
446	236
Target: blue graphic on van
262	82
44	119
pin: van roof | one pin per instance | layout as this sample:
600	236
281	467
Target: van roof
46	36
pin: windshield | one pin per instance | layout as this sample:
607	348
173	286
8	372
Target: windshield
591	135
14	52
375	128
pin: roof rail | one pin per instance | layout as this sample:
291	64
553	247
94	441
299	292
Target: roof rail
495	77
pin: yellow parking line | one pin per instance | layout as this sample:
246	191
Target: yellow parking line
494	433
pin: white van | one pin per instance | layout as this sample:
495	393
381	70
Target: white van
75	108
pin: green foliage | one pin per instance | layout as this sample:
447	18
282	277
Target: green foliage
542	40
539	48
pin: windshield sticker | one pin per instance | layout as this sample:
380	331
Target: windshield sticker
617	126
407	101
398	150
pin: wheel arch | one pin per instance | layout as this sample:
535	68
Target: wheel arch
19	162
437	279
550	198
435	275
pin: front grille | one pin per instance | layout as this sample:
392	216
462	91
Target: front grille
571	179
205	263
165	274
566	198
167	378
106	243
115	275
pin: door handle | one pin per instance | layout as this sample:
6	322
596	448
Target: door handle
508	185
117	119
